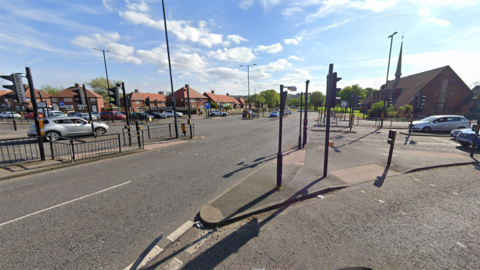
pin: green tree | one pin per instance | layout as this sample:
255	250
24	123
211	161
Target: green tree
214	105
51	89
255	98
295	102
99	85
347	93
376	110
228	108
271	97
317	96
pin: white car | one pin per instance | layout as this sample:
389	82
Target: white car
87	117
218	113
440	123
169	113
10	115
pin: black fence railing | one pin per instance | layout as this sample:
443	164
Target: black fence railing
18	150
84	148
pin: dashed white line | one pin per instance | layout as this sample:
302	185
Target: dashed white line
462	245
455	193
180	231
362	191
381	201
432	185
58	205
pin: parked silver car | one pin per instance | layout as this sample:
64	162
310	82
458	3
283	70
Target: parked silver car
169	113
86	117
440	123
57	127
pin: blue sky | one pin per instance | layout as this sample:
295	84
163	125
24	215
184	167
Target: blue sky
290	41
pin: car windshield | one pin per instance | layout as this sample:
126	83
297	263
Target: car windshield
428	119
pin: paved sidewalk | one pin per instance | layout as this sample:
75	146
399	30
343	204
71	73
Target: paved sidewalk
303	177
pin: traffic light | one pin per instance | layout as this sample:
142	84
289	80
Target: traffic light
277	103
359	102
391	136
147	101
17	87
333	88
80	98
421	101
155	102
115	97
389	101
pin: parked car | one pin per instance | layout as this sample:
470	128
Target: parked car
440	123
74	114
169	113
288	111
29	115
10	115
249	112
87	117
218	113
139	116
107	115
157	115
275	114
456	132
299	110
57	127
52	114
466	138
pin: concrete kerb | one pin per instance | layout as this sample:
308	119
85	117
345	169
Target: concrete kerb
441	166
80	162
425	134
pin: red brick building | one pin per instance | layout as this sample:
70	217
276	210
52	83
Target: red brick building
241	102
138	100
70	103
8	98
222	100
197	100
445	92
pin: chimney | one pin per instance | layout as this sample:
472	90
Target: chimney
228	95
161	93
76	85
136	90
213	91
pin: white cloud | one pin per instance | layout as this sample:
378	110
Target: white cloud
438	21
246	4
107	5
291	41
180	60
293	57
143	83
239	54
140	7
96	40
331	6
202	24
275	48
225	73
264	72
290	11
181	29
424	11
236	38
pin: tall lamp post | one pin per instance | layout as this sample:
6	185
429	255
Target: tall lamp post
283	97
385	93
108	84
248	79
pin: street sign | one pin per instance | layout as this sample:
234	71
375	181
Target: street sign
308	98
42	104
344	104
207	105
61	104
225	105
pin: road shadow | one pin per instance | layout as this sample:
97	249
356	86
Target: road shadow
145	253
381	179
356	140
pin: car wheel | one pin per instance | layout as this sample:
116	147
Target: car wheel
427	129
461	127
212	115
224	115
52	136
103	119
465	144
100	131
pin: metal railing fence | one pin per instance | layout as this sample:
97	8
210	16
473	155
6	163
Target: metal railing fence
18	150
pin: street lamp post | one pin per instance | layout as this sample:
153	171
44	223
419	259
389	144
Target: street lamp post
283	96
248	79
108	84
386	82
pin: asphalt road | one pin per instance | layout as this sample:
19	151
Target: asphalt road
104	214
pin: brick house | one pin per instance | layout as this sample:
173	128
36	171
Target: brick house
138	100
222	100
241	102
197	100
445	92
70	103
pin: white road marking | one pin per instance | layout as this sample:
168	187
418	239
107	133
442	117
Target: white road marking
462	245
416	179
432	185
362	191
455	193
58	205
180	231
174	264
402	213
196	154
381	201
156	250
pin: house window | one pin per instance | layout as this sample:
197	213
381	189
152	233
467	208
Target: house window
82	107
92	99
137	102
28	99
192	100
67	99
54	99
443	93
200	100
69	107
138	108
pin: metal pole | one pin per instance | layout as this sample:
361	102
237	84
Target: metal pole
305	119
279	154
189	110
108	86
300	129
475	139
41	100
327	130
248	78
170	68
89	110
127	111
385	90
35	113
138	135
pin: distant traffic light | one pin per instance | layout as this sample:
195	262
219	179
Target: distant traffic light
155	102
115	97
421	101
389	101
80	98
147	101
17	87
